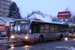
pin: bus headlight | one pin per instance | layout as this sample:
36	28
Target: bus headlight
12	36
26	37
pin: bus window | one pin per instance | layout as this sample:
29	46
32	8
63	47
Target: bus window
52	28
15	28
46	28
62	28
22	28
18	27
26	27
35	28
41	28
71	30
56	28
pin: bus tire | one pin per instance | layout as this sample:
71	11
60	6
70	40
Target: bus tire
61	36
41	39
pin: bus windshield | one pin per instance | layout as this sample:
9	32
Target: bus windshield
71	29
21	26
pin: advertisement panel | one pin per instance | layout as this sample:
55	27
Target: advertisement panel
65	14
2	27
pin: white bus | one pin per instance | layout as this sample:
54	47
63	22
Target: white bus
25	30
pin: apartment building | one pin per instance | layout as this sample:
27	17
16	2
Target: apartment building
4	7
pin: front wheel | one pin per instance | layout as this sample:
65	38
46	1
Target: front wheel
61	36
41	39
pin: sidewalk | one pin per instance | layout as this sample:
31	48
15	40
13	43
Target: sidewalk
4	44
5	41
3	47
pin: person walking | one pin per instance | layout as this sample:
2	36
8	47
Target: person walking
8	34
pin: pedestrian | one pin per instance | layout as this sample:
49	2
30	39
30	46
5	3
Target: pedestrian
8	34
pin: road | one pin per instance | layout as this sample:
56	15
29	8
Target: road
48	45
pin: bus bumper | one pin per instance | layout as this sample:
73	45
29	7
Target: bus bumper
19	39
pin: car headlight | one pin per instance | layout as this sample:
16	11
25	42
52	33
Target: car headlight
66	39
26	37
12	36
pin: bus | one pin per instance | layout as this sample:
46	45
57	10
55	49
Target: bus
71	31
26	30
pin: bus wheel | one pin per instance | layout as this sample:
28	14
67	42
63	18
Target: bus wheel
61	36
41	39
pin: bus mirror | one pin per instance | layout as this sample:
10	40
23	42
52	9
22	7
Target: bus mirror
29	30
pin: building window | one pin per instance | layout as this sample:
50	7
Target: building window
4	13
5	5
0	3
0	0
0	7
4	9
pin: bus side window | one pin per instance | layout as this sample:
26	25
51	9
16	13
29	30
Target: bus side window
46	28
35	28
52	28
42	29
56	28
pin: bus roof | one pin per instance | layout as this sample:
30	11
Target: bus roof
51	22
43	22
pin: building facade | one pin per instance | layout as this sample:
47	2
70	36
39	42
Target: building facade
4	7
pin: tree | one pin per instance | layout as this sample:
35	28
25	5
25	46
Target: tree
14	11
67	9
70	19
55	19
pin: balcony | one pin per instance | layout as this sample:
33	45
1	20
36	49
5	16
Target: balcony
7	7
2	2
6	2
1	9
1	14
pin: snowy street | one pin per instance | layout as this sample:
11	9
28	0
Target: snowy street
48	45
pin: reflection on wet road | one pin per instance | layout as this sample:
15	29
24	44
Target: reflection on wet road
47	45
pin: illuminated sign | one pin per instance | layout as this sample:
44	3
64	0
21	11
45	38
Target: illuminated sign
16	22
71	26
23	22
